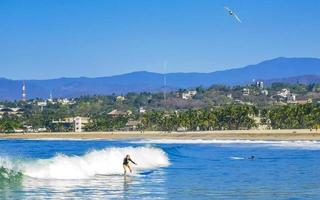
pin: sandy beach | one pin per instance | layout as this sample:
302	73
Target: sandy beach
292	134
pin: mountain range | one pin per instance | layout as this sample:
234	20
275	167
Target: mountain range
290	70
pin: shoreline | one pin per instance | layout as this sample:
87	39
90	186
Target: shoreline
277	135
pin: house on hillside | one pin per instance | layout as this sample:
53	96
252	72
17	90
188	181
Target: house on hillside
11	111
301	102
42	103
66	101
259	84
246	91
265	92
117	113
189	94
142	110
120	98
286	95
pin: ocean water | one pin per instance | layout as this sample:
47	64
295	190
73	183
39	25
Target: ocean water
167	169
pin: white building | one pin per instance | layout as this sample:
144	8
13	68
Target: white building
246	91
120	98
265	92
142	110
291	98
42	103
42	129
50	99
79	123
284	93
259	84
189	94
66	101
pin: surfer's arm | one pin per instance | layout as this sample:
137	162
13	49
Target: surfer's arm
133	162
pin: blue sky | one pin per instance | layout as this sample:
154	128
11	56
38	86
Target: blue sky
42	39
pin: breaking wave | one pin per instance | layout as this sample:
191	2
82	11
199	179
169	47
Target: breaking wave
96	162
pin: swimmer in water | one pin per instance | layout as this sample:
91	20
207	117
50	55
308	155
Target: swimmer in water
252	158
126	165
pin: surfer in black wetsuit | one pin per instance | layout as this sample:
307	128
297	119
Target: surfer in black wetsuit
126	165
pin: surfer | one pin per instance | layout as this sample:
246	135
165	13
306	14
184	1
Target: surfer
126	165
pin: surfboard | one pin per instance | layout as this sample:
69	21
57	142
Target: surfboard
108	175
143	173
146	172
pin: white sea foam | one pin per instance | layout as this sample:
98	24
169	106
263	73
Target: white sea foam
106	162
310	145
236	158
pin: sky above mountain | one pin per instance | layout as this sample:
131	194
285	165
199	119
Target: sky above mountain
43	39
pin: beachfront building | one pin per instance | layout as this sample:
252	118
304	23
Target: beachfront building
66	123
132	125
258	122
43	129
79	123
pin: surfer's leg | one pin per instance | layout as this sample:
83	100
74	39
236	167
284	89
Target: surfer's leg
129	168
125	169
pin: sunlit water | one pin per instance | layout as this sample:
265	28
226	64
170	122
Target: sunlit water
167	169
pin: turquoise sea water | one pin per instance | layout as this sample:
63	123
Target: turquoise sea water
167	169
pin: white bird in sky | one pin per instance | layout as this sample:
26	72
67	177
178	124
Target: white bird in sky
233	14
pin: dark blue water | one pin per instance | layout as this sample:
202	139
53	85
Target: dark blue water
196	171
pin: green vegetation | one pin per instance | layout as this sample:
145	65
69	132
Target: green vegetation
8	123
293	116
229	117
214	108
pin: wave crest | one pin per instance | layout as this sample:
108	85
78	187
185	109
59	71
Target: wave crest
106	162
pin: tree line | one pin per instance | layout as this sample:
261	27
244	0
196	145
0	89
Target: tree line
228	117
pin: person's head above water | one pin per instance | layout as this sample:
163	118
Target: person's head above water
252	157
